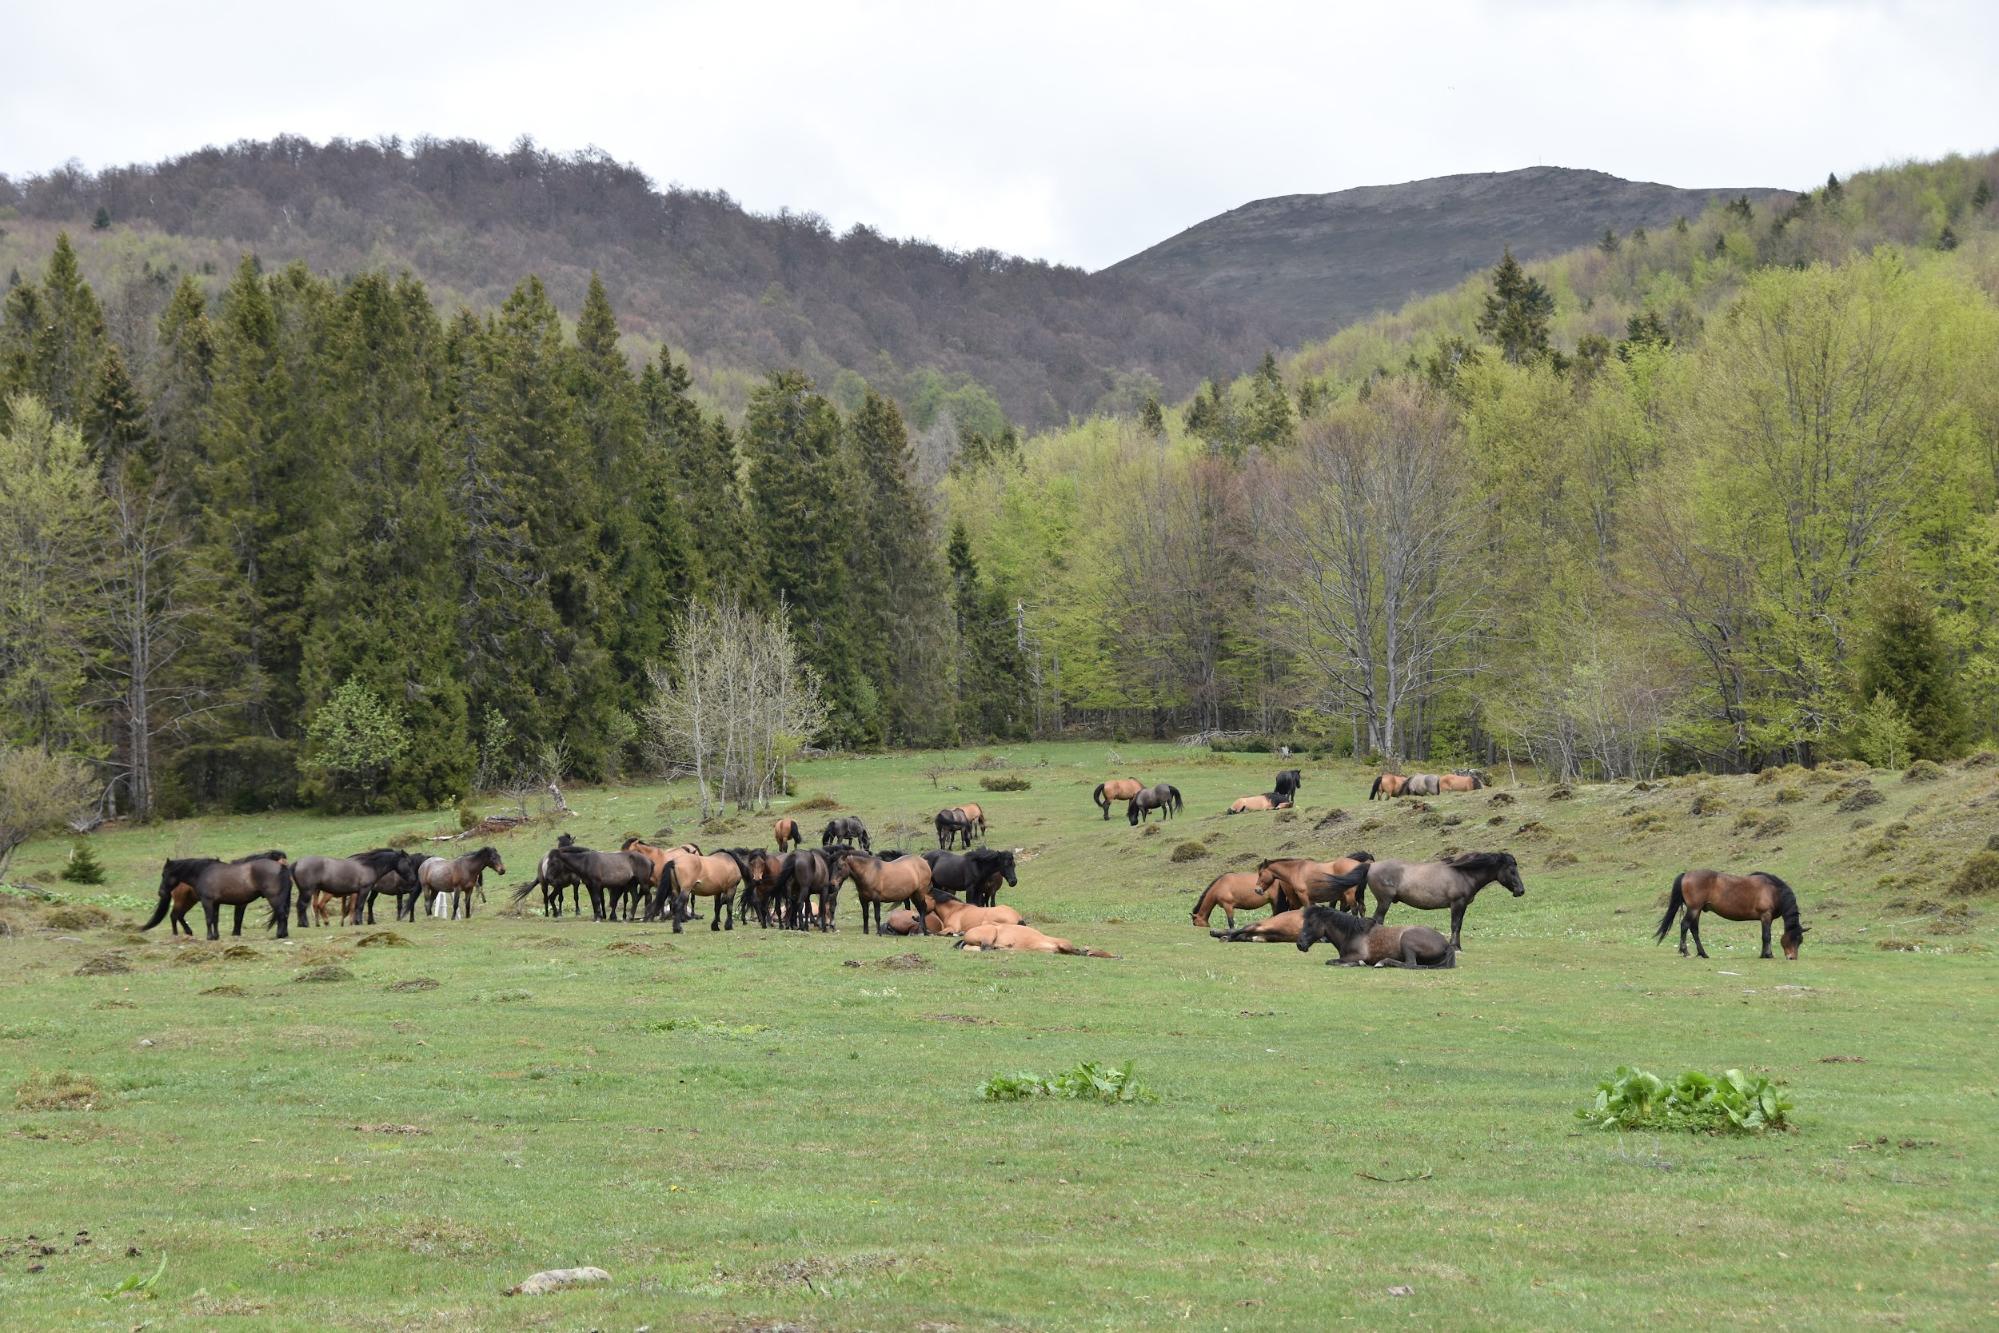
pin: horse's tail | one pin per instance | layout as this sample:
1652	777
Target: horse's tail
166	901
1174	793
1360	856
1103	802
1674	902
1352	879
1375	790
521	893
1450	955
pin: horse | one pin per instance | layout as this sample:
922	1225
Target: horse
212	883
846	829
1756	896
322	908
1462	780
1026	939
1292	881
1237	890
1117	789
1277	928
801	875
1452	882
1423	784
975	812
760	872
953	826
877	881
1362	943
358	877
1163	797
945	913
901	921
552	880
1242	805
1287	786
460	877
1387	786
683	873
787	834
973	875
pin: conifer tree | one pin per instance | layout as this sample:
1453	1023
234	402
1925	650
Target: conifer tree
52	337
182	383
696	456
115	421
1905	659
1268	422
1151	419
1517	311
993	687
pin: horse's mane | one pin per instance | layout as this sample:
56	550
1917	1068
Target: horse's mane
378	858
1346	922
1360	856
1787	898
1478	861
273	855
184	866
987	855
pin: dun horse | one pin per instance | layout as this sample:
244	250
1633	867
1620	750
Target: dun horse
1236	891
1362	943
877	881
1277	928
1117	789
1756	896
1431	885
944	913
213	883
844	829
1023	938
1295	882
1387	786
1163	797
1242	805
1462	780
787	834
715	875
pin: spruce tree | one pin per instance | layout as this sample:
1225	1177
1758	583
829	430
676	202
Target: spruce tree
1267	422
115	421
994	702
1517	312
1905	659
52	338
696	456
1151	419
181	385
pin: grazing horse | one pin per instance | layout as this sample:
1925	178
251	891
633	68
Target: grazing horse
1117	789
1287	786
1451	883
787	834
1164	797
944	913
1295	882
846	829
1387	786
1423	784
804	874
1238	890
1362	943
716	875
212	883
1277	928
953	827
975	812
1462	780
1026	939
1242	805
360	877
877	881
460	877
1756	896
975	875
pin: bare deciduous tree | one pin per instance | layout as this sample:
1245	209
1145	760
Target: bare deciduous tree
39	789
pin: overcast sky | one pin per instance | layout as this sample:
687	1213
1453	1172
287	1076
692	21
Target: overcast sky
1074	131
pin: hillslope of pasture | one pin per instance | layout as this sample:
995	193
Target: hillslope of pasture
759	1128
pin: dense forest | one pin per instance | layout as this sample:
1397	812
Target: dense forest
1718	495
728	290
1715	496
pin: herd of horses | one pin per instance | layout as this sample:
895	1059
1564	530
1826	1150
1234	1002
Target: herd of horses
950	890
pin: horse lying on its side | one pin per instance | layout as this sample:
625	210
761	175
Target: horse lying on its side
1024	938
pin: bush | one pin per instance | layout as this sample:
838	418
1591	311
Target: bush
1790	795
1748	819
1188	851
1923	770
1774	825
1982	759
1087	1082
1860	799
814	803
1006	782
1694	1102
83	867
1978	877
1707	803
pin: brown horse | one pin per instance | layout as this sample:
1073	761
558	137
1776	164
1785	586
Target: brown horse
1117	789
213	883
787	834
460	876
715	875
877	881
902	921
1295	882
945	913
1463	780
1026	939
1387	785
1451	883
1162	796
975	814
361	877
1236	891
1756	896
1242	805
1364	944
1277	928
352	908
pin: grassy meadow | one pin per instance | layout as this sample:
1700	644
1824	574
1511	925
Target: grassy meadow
765	1129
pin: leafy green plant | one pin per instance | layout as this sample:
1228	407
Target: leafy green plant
82	867
1087	1082
1734	1103
142	1285
1009	782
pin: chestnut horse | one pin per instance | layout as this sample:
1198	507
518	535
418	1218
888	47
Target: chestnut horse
1242	805
877	881
1387	785
945	913
1295	882
1277	928
1362	943
787	834
1026	939
1452	882
1756	896
1117	789
1236	891
1462	780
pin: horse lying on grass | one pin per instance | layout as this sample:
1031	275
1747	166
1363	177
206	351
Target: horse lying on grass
1277	928
1362	943
1025	939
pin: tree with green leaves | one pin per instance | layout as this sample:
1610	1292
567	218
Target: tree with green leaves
1267	420
1151	419
115	421
354	742
1517	312
181	386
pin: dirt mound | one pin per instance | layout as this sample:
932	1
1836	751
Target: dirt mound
383	939
1860	799
325	972
76	916
226	988
1978	877
240	953
413	983
104	965
904	962
1188	851
59	1091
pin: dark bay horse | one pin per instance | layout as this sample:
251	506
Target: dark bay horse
213	883
1117	789
1287	786
361	877
975	875
460	876
1362	943
953	827
623	875
1431	885
806	874
846	829
1163	797
1756	896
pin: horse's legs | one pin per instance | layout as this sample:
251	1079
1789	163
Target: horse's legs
1686	926
1699	948
238	930
1228	914
1766	935
213	911
1380	906
1457	923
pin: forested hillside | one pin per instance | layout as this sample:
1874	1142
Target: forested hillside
1710	495
692	270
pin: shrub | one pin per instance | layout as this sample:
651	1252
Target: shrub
1006	782
1694	1102
1707	803
83	867
1978	877
1774	825
1790	795
1860	799
1748	819
1087	1082
1188	851
1923	770
1982	759
814	803
77	916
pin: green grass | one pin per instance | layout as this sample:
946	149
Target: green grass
745	1129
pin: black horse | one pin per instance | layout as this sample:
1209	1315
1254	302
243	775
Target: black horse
623	875
215	884
1164	797
973	876
1288	786
953	825
805	874
846	829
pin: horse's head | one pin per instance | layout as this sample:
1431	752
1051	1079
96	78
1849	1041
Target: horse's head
1793	937
489	857
1131	812
1006	868
1509	874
